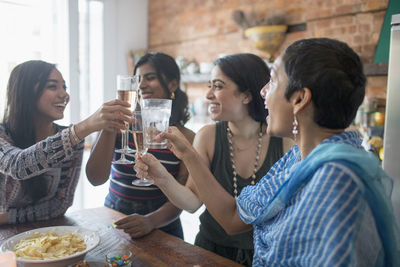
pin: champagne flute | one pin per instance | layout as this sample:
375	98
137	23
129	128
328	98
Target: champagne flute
141	147
127	89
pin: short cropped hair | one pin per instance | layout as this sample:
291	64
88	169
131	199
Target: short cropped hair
334	74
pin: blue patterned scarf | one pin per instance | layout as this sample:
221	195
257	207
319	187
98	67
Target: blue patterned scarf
375	185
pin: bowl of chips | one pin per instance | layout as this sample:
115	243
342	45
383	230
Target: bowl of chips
54	246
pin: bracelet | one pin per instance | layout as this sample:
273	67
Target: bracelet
75	138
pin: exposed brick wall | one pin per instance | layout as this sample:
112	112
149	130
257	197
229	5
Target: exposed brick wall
203	29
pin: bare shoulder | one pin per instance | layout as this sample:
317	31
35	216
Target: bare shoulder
207	132
204	141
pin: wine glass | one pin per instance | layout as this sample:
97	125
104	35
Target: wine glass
141	147
127	89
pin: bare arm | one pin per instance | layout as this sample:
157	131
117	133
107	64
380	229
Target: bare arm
220	203
137	225
99	163
181	196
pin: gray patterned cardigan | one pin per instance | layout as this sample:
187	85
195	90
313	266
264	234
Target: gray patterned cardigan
56	159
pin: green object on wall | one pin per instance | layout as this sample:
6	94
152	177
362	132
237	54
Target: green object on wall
382	49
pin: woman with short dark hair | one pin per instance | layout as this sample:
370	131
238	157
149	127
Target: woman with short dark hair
40	161
327	201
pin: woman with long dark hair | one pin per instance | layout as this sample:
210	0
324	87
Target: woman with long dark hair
147	208
40	161
237	150
326	202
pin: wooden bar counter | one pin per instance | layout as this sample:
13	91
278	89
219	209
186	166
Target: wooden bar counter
156	249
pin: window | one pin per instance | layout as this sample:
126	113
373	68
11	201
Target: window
32	29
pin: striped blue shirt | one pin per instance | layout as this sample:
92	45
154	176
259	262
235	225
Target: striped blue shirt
326	223
123	175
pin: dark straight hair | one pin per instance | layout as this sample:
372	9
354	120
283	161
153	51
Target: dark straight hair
25	86
167	70
250	73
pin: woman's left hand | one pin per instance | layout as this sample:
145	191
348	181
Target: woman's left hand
135	225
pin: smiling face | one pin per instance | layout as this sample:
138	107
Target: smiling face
280	110
150	85
54	98
226	103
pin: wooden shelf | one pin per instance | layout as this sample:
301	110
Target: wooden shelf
378	69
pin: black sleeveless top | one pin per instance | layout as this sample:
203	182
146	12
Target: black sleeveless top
221	167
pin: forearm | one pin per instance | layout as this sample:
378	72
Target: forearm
180	195
218	201
166	214
99	163
46	210
36	159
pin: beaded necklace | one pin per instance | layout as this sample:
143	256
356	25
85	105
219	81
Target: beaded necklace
253	177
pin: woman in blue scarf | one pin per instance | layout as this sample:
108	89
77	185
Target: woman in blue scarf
327	201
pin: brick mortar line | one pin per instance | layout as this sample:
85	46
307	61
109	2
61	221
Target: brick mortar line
345	15
230	32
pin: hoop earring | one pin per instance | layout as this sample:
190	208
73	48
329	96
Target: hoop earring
295	130
172	95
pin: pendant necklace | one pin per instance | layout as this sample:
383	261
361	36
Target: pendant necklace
253	177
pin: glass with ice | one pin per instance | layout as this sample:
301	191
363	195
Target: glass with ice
155	117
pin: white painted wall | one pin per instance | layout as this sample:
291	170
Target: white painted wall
391	145
125	28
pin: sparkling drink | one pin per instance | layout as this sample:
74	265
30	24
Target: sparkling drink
138	139
127	89
155	121
128	96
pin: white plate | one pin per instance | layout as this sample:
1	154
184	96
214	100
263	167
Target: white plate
91	238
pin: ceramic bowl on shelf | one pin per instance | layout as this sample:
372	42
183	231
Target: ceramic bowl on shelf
267	38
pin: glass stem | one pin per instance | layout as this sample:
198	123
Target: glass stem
123	143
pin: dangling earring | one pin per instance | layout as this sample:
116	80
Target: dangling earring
172	95
295	130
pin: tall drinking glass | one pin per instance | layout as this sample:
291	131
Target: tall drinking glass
155	116
138	138
127	90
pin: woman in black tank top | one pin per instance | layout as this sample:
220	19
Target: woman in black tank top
237	149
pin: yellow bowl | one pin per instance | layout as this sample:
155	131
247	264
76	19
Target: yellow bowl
267	38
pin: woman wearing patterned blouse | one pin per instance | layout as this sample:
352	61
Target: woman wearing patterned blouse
40	161
327	201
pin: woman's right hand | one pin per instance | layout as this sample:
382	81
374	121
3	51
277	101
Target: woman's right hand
109	117
177	142
149	167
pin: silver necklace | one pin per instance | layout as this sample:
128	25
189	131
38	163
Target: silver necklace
253	177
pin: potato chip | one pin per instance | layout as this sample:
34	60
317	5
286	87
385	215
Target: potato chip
49	245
